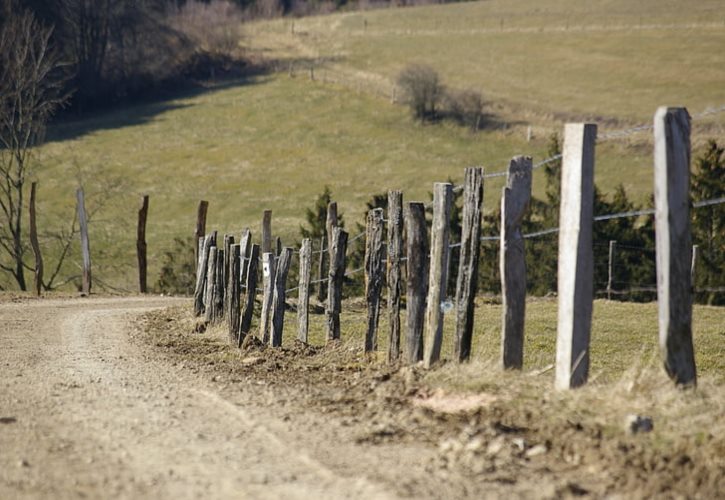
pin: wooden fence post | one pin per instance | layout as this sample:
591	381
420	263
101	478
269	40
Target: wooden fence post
467	280
245	246
266	231
141	244
85	243
278	246
610	268
576	258
438	274
512	261
417	280
201	276
219	288
38	281
338	246
321	270
373	275
674	243
278	301
233	310
200	223
693	269
228	243
303	294
268	272
395	249
245	324
206	299
210	278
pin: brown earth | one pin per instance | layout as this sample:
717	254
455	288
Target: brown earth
96	403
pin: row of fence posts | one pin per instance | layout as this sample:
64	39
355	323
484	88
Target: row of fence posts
224	270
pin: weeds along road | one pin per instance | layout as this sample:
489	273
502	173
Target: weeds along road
85	412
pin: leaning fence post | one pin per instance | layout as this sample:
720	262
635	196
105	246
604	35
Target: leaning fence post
268	271
141	243
373	275
303	294
512	261
266	231
200	223
233	288
85	243
338	246
576	269
395	248
438	275
38	280
201	276
278	301
251	290
417	280
467	281
610	268
672	231
210	279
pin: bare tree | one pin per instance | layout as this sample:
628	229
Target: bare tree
31	89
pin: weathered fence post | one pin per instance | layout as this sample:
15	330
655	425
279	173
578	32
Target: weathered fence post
417	280
245	245
85	243
438	275
303	294
210	279
200	223
467	280
338	247
672	230
395	249
331	223
206	299
141	244
278	301
512	261
576	266
228	243
373	275
201	276
610	268
266	231
38	281
278	246
251	289
693	269
233	287
321	270
268	272
219	288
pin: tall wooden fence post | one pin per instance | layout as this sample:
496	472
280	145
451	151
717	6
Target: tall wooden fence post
610	268
233	287
227	277
438	275
201	276
278	301
141	244
219	288
85	242
467	281
373	275
200	232
417	280
672	230
512	261
576	258
210	284
245	324
321	270
338	246
245	247
303	294
268	272
38	281
395	249
266	231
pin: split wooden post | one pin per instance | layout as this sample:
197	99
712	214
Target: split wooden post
141	244
233	288
38	281
331	223
279	298
467	281
303	293
245	246
512	261
266	231
210	279
201	276
85	242
219	288
417	280
674	243
610	268
438	274
245	324
576	258
373	275
321	270
693	269
201	212
338	246
268	272
395	249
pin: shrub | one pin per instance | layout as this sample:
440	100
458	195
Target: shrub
465	107
422	90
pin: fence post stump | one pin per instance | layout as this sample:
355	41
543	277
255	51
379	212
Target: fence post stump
576	259
38	280
395	248
303	294
672	231
279	298
200	222
610	268
201	276
417	280
338	247
512	261
373	275
266	231
210	282
85	243
438	274
233	310
268	272
467	281
245	324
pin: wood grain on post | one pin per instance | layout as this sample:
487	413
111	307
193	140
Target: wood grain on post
395	250
200	222
233	288
279	298
512	261
438	274
338	245
576	258
467	280
85	242
417	270
373	275
245	324
321	270
38	281
303	294
206	298
201	276
331	223
693	269
610	268
141	244
228	243
245	247
266	231
674	243
210	285
268	272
